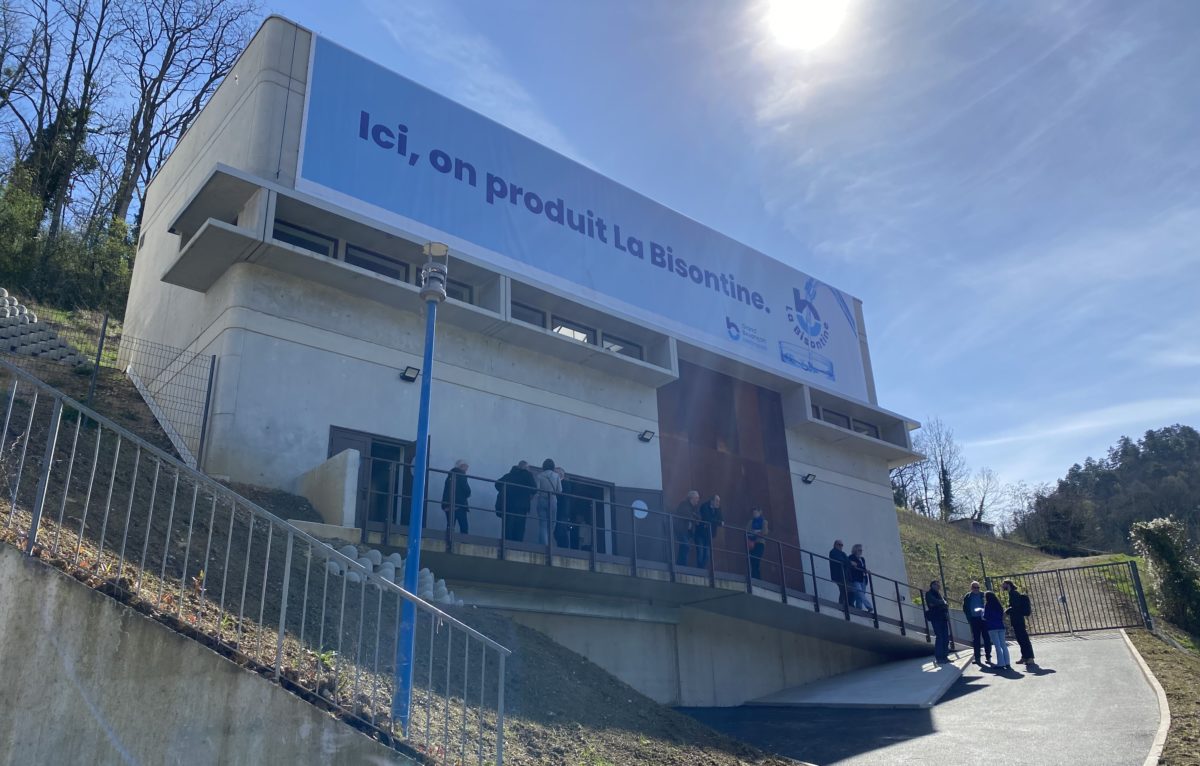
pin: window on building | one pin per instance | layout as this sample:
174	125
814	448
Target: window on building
869	429
460	291
622	346
376	262
573	330
836	418
528	314
816	412
307	239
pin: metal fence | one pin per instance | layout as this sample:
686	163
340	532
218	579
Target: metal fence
76	351
1081	599
87	496
638	541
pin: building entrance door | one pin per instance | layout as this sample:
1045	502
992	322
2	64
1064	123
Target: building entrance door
384	477
585	503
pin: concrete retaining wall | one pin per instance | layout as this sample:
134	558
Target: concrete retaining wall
84	679
697	658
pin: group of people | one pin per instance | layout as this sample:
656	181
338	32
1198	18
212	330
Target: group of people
521	491
850	574
696	525
985	614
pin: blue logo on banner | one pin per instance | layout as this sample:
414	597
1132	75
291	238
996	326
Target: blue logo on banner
732	328
806	319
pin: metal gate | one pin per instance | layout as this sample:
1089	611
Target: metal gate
1078	599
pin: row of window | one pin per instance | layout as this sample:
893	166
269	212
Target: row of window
318	243
576	330
845	421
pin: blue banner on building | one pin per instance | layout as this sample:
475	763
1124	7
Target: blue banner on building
388	148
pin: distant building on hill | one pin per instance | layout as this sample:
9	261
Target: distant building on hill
982	528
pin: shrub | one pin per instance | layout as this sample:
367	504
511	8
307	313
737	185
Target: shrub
1163	544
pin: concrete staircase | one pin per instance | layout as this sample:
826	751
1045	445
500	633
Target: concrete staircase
21	333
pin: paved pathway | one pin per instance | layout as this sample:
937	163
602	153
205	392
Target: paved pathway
1085	702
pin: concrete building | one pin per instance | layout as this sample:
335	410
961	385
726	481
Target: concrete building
258	246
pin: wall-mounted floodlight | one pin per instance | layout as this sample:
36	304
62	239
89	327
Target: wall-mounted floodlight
645	436
409	374
808	478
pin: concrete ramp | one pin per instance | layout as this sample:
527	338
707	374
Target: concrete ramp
912	683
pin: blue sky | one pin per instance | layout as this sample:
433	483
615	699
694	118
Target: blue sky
1012	189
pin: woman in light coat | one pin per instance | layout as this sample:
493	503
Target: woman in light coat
549	485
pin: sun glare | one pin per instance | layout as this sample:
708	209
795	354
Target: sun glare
805	24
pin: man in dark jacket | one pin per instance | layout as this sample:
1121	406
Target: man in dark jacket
838	562
972	606
684	521
710	521
860	579
455	493
1018	609
937	611
514	491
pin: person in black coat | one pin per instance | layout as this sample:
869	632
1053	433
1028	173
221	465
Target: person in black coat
455	494
972	606
711	519
1018	609
838	561
514	492
937	612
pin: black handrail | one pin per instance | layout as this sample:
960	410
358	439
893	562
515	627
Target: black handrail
671	525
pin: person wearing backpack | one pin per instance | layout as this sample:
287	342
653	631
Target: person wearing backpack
1018	609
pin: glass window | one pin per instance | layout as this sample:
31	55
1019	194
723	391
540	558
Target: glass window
622	346
304	238
870	429
573	330
836	418
460	291
380	264
528	314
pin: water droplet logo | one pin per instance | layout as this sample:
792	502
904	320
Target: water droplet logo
806	320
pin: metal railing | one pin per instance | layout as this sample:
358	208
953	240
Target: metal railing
176	383
89	497
1081	599
601	535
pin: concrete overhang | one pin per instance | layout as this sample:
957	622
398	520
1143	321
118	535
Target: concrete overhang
892	443
587	355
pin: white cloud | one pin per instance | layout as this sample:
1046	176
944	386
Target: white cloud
477	70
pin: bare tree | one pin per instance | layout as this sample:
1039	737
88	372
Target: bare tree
986	495
175	54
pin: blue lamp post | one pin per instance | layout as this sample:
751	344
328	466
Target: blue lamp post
433	292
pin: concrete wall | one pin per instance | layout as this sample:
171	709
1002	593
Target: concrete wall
251	122
850	499
332	487
495	403
84	679
698	658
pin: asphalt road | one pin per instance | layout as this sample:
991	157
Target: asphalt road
1085	702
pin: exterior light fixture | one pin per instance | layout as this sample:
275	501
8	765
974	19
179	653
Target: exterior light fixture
409	374
808	478
645	436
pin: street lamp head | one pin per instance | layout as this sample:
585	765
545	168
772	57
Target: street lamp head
434	274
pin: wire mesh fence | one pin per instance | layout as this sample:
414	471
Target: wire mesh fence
87	496
84	352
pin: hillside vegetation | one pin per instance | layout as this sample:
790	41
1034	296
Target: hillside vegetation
920	536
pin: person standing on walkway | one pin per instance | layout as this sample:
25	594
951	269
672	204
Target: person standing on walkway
1018	609
838	561
993	616
972	606
455	493
860	579
937	612
711	520
513	493
549	487
687	513
756	543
